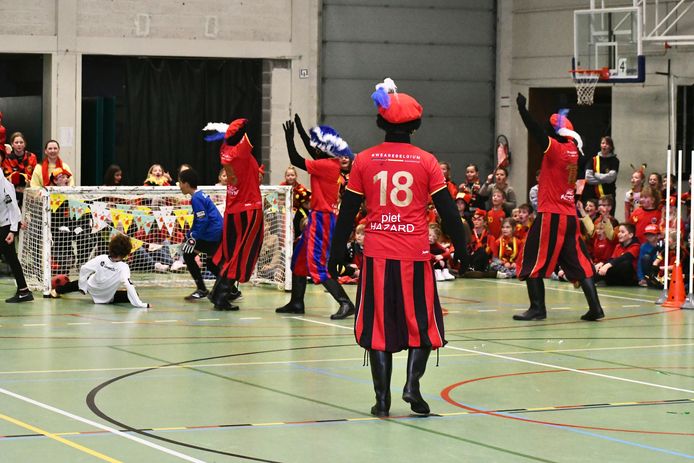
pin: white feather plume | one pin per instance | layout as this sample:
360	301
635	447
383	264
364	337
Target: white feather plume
220	127
388	85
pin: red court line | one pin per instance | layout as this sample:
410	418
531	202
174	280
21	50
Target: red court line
446	395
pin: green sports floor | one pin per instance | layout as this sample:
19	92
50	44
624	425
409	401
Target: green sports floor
180	382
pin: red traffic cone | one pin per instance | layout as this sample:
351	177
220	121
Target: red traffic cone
676	294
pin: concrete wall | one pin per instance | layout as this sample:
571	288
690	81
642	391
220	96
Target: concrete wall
535	44
64	30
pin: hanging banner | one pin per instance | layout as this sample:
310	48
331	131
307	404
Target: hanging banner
57	200
136	244
100	213
126	220
77	209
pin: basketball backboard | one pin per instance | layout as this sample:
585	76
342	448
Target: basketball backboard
610	38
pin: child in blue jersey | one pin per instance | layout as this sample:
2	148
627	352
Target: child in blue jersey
205	234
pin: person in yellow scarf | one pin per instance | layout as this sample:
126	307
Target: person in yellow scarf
51	161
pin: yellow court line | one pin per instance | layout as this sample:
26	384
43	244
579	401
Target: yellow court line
79	447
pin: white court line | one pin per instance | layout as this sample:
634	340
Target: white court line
487	310
632	305
165	321
251	318
323	323
574	291
208	319
79	323
35	324
124	322
139	440
557	367
344	359
561	308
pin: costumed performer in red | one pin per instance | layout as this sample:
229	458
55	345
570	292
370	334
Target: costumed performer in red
397	303
242	235
312	250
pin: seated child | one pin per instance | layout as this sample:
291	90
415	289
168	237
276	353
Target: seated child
496	214
620	269
439	254
505	251
648	252
355	254
156	176
102	277
478	246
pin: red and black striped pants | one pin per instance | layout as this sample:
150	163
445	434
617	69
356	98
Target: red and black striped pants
398	306
555	239
242	238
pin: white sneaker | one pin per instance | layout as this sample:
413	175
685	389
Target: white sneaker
438	274
447	275
161	268
178	266
502	276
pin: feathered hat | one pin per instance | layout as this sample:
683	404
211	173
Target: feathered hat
394	107
228	132
563	126
329	141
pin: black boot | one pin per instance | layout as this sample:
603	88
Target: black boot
338	293
536	293
212	295
221	298
381	369
296	303
595	311
416	366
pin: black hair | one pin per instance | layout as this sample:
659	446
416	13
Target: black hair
119	247
189	176
405	127
110	175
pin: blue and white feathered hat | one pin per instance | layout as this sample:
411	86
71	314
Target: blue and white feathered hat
328	140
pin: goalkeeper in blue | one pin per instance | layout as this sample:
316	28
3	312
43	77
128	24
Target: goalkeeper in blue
205	235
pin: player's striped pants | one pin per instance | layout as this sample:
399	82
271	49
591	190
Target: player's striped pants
555	239
312	250
242	238
398	306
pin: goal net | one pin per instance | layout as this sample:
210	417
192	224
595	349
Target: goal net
67	226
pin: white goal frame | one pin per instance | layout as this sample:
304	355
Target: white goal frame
39	226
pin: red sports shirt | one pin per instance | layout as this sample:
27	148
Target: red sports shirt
641	218
557	182
243	188
396	180
325	183
494	219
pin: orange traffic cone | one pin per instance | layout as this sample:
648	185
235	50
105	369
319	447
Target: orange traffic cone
676	294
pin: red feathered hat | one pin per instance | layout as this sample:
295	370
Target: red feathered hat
234	127
480	212
403	108
558	121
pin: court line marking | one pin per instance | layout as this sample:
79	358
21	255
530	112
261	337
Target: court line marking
335	325
631	305
345	359
573	370
517	411
601	294
486	310
116	432
561	308
35	324
79	323
165	321
208	319
251	318
56	437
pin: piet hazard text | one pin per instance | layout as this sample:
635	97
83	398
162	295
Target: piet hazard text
391	222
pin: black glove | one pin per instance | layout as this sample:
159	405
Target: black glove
188	246
288	131
520	100
297	121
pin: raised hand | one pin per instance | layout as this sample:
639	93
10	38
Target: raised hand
288	127
520	100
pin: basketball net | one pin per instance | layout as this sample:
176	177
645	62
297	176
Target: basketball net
585	81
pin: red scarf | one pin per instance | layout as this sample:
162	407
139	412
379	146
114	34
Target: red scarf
45	175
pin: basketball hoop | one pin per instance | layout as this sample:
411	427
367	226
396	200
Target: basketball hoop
585	81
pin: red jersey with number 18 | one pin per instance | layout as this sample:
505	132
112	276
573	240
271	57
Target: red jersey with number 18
396	180
557	182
